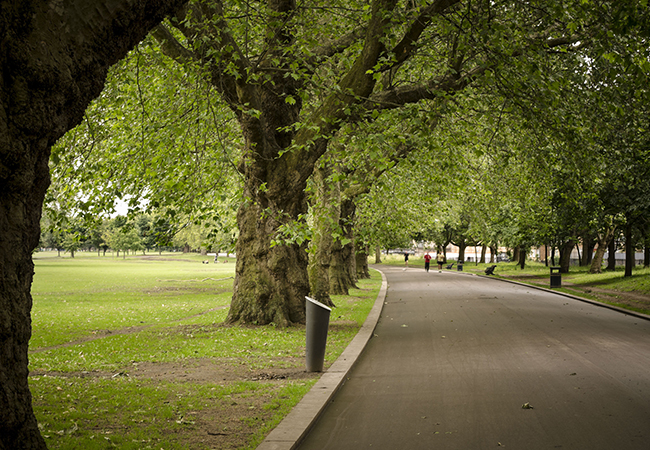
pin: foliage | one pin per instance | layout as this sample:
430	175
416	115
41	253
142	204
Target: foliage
154	138
499	99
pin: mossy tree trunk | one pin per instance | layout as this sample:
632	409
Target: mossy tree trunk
363	272
343	271
323	211
55	58
602	242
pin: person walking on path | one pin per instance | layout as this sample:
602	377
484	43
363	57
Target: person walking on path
406	259
440	259
427	260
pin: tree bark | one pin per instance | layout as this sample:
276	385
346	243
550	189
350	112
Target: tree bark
565	255
323	211
55	58
493	254
611	257
588	245
363	272
271	281
602	243
629	249
546	255
377	254
553	255
462	245
343	271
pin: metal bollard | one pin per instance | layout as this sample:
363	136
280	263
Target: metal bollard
556	277
318	318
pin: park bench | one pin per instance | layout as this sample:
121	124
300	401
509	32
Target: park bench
490	270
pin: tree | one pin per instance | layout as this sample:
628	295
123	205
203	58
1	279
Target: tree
291	94
54	62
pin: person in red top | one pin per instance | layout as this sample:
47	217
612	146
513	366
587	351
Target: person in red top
427	260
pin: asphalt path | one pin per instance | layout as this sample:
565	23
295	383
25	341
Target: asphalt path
466	362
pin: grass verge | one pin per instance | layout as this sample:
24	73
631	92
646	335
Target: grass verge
612	288
133	354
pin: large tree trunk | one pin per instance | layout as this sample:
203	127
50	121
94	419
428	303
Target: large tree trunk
339	277
54	62
377	254
20	208
493	254
462	245
363	272
343	270
565	255
611	257
271	281
324	212
602	243
588	244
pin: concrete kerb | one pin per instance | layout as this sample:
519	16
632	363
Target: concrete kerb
294	427
574	297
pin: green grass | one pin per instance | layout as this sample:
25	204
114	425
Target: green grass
98	321
125	413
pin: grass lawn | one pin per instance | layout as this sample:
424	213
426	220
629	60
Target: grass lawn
133	354
612	288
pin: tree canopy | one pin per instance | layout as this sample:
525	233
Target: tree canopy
296	78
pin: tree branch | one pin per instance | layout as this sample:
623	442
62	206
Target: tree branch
448	83
216	50
405	48
170	45
337	46
367	179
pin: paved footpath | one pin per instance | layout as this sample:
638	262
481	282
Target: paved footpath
454	358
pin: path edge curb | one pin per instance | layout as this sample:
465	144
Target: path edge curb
628	312
295	426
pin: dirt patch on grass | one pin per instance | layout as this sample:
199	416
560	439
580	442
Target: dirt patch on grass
218	371
175	290
229	422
